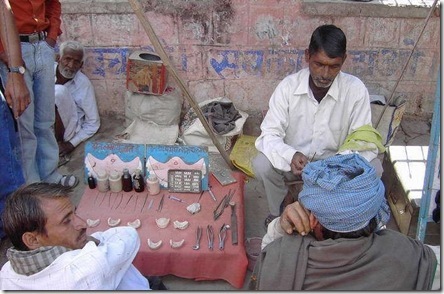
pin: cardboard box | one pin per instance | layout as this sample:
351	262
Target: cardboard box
146	73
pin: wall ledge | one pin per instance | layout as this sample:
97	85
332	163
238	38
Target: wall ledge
350	8
375	8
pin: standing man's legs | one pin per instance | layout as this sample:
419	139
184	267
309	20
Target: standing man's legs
47	153
39	149
27	139
11	176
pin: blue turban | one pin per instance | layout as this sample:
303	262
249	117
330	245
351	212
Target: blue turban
344	193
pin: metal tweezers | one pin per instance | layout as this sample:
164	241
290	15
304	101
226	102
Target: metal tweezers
210	236
159	208
223	204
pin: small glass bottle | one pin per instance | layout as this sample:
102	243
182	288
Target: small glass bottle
91	181
115	181
153	184
102	181
127	182
138	182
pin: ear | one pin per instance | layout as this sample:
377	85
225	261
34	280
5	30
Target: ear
31	240
313	221
307	55
345	57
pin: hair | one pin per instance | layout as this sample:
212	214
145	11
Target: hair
72	45
330	39
364	232
23	211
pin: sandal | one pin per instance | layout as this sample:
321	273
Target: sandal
69	181
268	220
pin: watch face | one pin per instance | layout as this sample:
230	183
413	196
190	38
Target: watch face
19	69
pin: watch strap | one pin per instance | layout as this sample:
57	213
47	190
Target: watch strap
17	69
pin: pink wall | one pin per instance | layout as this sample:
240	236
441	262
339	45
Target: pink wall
241	49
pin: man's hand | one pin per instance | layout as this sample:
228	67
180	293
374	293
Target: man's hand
17	93
65	148
91	238
51	42
298	162
295	217
4	58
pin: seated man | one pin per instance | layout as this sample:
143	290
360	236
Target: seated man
311	114
342	242
77	117
51	250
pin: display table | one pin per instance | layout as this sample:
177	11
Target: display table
229	264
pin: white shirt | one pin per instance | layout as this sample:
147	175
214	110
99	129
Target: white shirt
274	231
107	266
81	91
295	121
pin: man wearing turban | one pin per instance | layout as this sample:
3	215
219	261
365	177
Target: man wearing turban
342	242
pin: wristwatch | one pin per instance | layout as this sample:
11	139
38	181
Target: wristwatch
18	69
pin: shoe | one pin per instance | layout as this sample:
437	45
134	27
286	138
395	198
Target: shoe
268	220
64	160
156	283
69	181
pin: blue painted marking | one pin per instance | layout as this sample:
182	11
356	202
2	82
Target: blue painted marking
224	63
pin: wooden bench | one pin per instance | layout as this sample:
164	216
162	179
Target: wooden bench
403	177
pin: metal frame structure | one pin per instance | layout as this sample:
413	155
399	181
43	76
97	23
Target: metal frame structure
435	131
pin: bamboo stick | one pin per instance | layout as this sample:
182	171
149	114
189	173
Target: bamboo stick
164	57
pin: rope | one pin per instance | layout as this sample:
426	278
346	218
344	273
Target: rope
405	65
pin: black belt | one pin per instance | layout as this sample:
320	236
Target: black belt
33	38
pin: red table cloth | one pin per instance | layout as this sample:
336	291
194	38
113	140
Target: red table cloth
229	264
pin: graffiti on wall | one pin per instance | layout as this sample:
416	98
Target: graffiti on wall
235	64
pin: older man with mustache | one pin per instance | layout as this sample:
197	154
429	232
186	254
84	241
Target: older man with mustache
77	116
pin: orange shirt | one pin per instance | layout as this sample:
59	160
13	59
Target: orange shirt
33	16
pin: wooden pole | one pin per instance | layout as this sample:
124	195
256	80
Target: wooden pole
164	57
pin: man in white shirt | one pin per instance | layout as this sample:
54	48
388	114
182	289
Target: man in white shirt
77	117
310	115
51	250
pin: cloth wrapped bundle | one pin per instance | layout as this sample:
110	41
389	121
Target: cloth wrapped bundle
344	193
221	116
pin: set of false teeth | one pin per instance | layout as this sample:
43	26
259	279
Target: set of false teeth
174	244
161	223
112	223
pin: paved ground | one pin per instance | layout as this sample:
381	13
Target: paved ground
412	132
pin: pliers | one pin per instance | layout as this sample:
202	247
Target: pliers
222	236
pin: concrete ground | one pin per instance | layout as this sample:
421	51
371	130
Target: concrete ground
412	132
